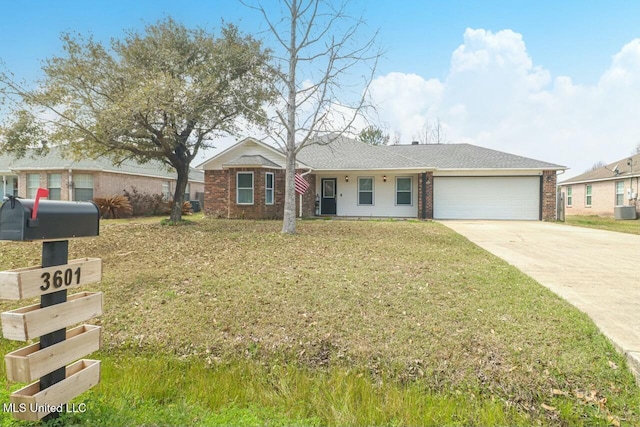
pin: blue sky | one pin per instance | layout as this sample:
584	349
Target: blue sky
528	77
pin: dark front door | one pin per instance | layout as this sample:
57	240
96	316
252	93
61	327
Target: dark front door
328	200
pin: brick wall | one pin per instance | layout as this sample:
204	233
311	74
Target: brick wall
603	197
220	195
106	184
549	180
429	196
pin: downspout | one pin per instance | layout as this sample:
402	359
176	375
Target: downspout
4	185
302	175
70	180
423	214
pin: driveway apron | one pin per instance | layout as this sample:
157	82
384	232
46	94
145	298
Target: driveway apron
597	271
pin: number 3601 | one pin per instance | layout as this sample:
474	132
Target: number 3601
67	277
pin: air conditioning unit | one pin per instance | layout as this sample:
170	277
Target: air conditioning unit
624	212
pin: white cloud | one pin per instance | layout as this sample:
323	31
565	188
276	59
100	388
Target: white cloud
494	95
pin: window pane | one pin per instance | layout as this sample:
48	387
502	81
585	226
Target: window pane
365	198
55	194
55	180
83	180
268	199
269	180
245	180
366	184
83	194
403	198
245	196
403	184
329	189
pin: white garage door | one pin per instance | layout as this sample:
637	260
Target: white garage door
487	198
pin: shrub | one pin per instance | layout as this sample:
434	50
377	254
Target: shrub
113	206
145	204
187	209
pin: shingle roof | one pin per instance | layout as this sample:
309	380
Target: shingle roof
345	153
55	160
624	170
252	160
467	156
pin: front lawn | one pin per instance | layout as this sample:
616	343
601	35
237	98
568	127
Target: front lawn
347	322
604	223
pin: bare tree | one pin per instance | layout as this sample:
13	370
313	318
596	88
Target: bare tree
637	149
438	135
397	137
597	165
432	134
424	135
322	51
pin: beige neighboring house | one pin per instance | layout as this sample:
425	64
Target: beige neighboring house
67	179
599	191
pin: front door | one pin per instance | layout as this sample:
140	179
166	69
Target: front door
328	200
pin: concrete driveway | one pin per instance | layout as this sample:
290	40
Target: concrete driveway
596	271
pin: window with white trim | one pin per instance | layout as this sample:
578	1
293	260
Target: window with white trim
244	188
187	192
268	188
55	186
33	182
619	193
82	187
404	190
166	190
365	191
569	196
587	197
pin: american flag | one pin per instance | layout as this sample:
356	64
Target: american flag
301	184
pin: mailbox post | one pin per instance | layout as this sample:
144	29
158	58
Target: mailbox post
54	223
53	254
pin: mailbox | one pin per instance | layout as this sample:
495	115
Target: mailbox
53	220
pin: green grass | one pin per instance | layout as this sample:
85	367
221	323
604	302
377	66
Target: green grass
346	323
604	223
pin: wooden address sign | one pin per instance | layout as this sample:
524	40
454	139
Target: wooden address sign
36	281
31	404
29	322
32	362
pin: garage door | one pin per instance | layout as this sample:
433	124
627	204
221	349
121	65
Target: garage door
487	198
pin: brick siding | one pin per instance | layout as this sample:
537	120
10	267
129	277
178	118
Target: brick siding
220	195
549	197
106	184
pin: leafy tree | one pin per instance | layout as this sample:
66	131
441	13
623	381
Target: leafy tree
321	48
164	94
374	136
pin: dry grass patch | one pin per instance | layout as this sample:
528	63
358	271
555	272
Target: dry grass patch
408	301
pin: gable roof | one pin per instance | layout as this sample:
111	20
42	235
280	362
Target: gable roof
345	153
627	167
55	160
251	161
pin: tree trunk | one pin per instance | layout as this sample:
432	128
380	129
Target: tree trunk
289	221
178	196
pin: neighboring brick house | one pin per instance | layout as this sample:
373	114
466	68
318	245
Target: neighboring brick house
349	178
86	179
599	191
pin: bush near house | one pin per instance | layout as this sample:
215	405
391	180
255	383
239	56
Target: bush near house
145	204
113	207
